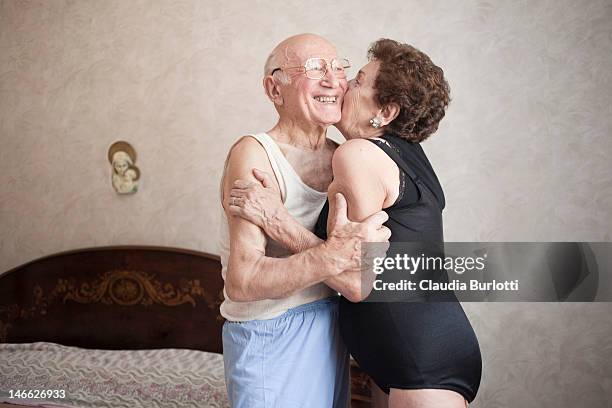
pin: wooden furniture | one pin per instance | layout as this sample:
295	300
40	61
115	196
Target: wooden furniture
115	298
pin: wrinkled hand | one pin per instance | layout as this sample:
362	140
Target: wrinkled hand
346	237
259	203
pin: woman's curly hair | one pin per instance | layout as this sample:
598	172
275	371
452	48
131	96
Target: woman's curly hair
407	77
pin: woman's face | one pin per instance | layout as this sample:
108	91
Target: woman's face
360	104
121	166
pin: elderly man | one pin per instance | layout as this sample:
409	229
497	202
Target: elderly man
282	346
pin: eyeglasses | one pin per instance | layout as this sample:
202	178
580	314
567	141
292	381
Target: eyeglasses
316	68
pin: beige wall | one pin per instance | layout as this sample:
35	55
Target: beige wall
523	154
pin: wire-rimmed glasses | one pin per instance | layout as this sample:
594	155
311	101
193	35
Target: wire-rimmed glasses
316	68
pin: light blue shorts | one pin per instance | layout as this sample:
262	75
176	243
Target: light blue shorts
297	359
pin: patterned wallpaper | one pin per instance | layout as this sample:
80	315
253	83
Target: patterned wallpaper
523	153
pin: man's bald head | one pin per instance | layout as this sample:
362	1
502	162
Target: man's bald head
293	50
298	96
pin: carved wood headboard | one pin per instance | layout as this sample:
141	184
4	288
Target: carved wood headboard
128	297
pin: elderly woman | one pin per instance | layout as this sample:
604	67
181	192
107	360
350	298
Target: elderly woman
423	354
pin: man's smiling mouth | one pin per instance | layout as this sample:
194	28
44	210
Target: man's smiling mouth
326	99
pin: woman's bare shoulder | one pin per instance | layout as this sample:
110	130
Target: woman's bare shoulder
363	154
361	162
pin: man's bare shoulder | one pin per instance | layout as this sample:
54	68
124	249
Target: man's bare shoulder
244	156
245	147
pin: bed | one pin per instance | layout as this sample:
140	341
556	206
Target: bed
127	326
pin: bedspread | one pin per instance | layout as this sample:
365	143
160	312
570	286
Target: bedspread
113	378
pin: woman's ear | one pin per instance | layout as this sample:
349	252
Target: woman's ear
272	89
389	112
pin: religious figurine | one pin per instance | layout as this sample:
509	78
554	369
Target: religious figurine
125	174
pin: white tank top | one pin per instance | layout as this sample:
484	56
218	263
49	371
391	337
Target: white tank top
304	204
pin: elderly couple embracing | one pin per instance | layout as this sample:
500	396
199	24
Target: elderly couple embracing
288	334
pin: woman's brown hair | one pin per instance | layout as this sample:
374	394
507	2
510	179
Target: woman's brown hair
409	78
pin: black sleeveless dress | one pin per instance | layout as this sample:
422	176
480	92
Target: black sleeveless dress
412	345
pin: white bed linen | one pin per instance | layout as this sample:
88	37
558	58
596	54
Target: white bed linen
113	378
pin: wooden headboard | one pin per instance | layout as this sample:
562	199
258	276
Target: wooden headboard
127	297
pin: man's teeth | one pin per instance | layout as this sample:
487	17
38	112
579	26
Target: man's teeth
326	99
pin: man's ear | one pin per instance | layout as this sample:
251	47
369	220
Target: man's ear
272	89
389	112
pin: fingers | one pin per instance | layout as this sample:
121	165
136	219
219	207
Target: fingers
382	234
385	233
234	192
241	188
377	243
234	210
340	210
243	184
377	219
264	178
372	250
235	202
